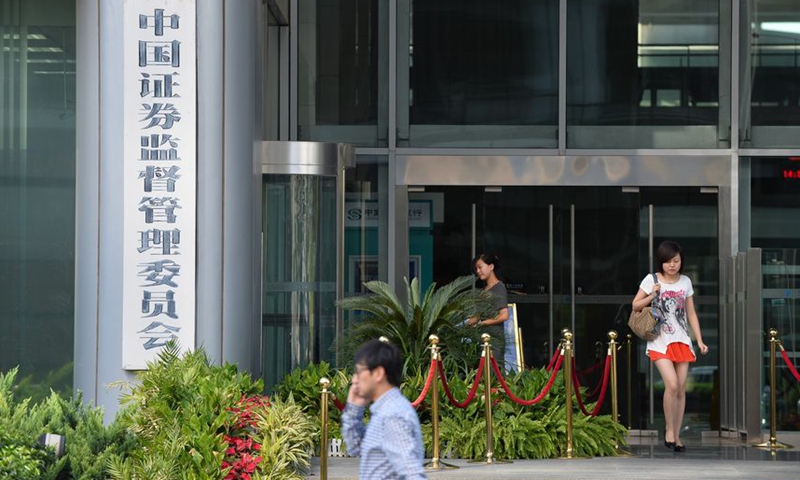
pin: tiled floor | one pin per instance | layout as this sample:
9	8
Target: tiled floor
705	458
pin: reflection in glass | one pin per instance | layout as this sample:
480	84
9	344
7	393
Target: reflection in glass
339	47
366	226
37	193
482	73
640	73
780	268
772	80
774	202
366	223
299	271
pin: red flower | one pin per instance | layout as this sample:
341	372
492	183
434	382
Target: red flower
240	454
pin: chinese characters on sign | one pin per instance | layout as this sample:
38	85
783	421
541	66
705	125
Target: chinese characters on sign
160	170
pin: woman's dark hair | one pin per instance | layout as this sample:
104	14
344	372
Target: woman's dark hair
375	353
665	252
488	259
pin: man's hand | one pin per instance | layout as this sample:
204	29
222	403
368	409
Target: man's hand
354	398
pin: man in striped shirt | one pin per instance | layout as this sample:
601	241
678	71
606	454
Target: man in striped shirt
390	446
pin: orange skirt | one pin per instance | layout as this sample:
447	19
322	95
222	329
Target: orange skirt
676	351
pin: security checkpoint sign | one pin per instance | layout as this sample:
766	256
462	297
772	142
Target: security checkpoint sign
159	89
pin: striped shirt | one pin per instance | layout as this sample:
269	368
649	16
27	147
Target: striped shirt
390	446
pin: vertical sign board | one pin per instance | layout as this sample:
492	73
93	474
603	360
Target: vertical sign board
160	178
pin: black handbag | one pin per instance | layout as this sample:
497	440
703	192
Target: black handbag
646	323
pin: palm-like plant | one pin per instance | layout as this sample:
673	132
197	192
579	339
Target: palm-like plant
438	311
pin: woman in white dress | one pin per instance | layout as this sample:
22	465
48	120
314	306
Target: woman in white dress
672	350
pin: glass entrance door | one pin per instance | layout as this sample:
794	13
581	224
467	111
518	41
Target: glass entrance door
573	257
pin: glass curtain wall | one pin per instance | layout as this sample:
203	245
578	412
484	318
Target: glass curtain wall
771	73
775	228
473	73
342	71
366	229
366	223
596	241
647	74
37	192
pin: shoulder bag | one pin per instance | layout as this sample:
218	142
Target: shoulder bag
646	323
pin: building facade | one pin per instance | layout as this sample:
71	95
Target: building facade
567	136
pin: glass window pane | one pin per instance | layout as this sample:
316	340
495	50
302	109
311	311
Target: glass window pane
644	74
772	83
780	279
299	297
482	74
774	200
366	223
341	56
37	192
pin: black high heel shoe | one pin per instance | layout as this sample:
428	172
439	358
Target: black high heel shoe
670	445
679	448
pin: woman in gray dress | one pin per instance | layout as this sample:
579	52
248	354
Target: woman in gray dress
487	268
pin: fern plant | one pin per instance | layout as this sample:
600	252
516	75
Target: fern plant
409	324
538	431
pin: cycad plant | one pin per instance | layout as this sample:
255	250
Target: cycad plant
409	324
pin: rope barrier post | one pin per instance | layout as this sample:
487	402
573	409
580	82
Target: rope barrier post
435	462
323	443
612	348
773	442
568	386
629	347
487	396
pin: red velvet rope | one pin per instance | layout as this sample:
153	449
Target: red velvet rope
553	360
789	364
431	374
472	391
539	397
591	369
336	402
577	384
587	371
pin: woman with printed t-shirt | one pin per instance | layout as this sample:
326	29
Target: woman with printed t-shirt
487	267
672	351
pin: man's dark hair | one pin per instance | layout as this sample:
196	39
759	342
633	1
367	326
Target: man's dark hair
666	252
375	353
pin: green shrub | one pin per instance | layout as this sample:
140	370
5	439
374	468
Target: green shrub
178	413
519	432
20	461
287	436
302	385
538	431
89	443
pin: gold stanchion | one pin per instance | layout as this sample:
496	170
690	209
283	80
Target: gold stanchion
568	386
773	442
487	396
435	462
323	443
628	367
612	348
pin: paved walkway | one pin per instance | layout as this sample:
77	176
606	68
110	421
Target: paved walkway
704	459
